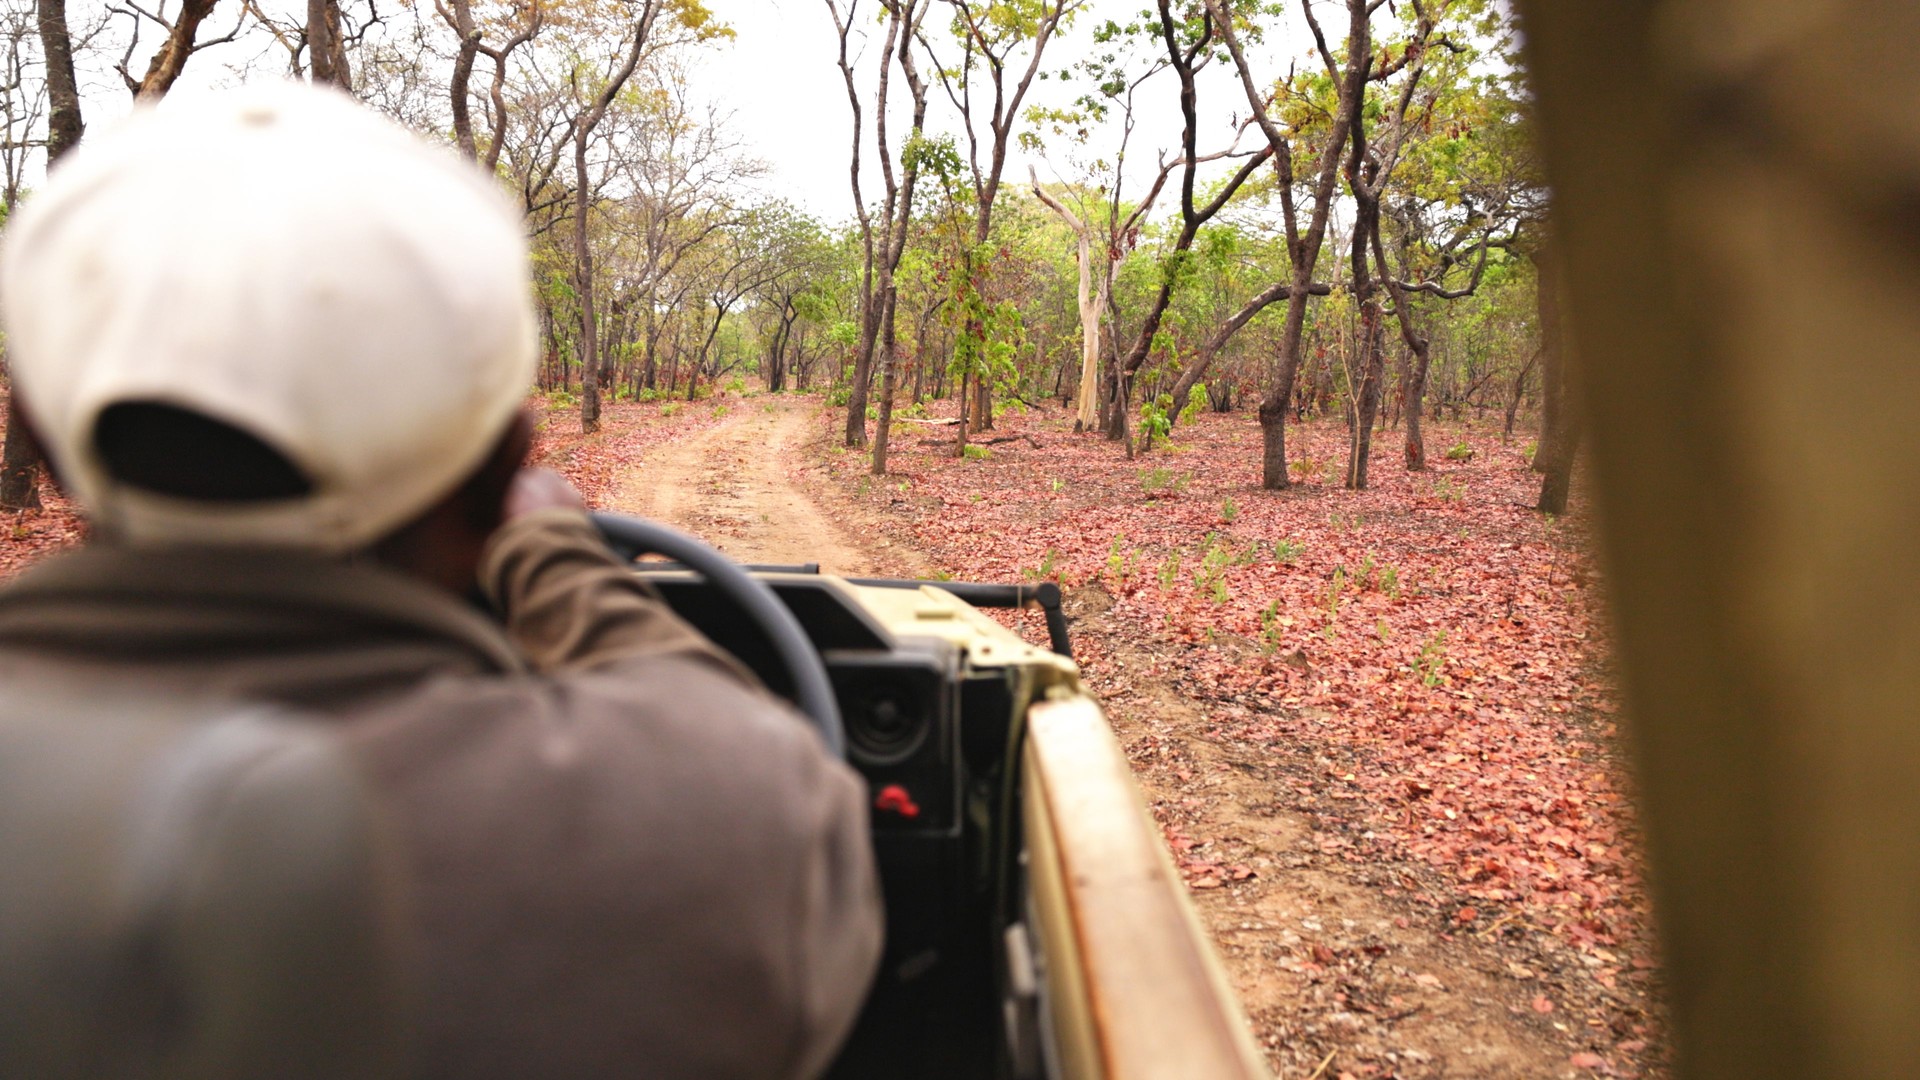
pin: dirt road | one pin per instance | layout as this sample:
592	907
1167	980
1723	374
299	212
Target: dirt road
735	486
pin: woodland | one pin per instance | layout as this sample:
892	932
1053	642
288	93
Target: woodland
1356	232
1034	343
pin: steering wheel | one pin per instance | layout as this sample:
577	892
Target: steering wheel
632	537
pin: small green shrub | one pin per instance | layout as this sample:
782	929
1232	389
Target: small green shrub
1229	511
1048	569
839	396
1196	403
1432	658
1120	564
1169	571
669	409
1156	419
1335	588
1161	479
1270	628
975	452
1056	485
1449	491
1460	451
1287	551
1211	577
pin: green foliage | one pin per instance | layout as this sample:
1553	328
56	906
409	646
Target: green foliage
1169	571
1460	451
1196	403
669	409
1211	577
1056	485
1120	560
839	396
1270	626
1449	491
1155	422
1331	599
1229	511
1161	480
975	452
1287	551
1432	658
1048	570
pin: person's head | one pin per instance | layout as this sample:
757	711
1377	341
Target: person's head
272	318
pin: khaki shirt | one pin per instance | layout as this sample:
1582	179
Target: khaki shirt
621	857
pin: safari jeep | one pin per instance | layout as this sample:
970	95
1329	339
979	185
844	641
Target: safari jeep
1035	925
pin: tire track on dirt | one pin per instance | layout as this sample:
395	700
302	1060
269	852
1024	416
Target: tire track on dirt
733	486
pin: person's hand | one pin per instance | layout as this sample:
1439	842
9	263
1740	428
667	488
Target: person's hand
540	489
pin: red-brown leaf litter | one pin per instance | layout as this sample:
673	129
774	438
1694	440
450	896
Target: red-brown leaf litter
1423	660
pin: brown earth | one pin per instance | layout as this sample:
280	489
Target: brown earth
1343	966
733	485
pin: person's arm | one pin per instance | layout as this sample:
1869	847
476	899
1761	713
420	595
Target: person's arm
571	606
837	929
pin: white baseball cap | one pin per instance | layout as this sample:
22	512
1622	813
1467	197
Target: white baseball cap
288	263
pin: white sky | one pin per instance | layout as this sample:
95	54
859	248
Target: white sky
779	79
780	76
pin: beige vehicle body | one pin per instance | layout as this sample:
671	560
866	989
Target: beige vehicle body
1106	970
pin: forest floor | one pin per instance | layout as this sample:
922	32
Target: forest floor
1375	727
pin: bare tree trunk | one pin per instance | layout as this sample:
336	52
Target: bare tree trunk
856	423
1560	412
1519	391
328	52
583	286
583	125
21	460
1554	403
1366	396
883	430
1415	403
459	92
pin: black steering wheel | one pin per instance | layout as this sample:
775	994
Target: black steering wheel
632	537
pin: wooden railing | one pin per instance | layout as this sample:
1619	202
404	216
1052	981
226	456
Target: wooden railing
1134	988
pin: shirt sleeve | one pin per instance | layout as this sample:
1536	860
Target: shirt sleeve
570	605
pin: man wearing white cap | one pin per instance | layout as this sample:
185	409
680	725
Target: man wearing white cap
275	346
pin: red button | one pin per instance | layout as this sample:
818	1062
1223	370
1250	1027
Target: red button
894	799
